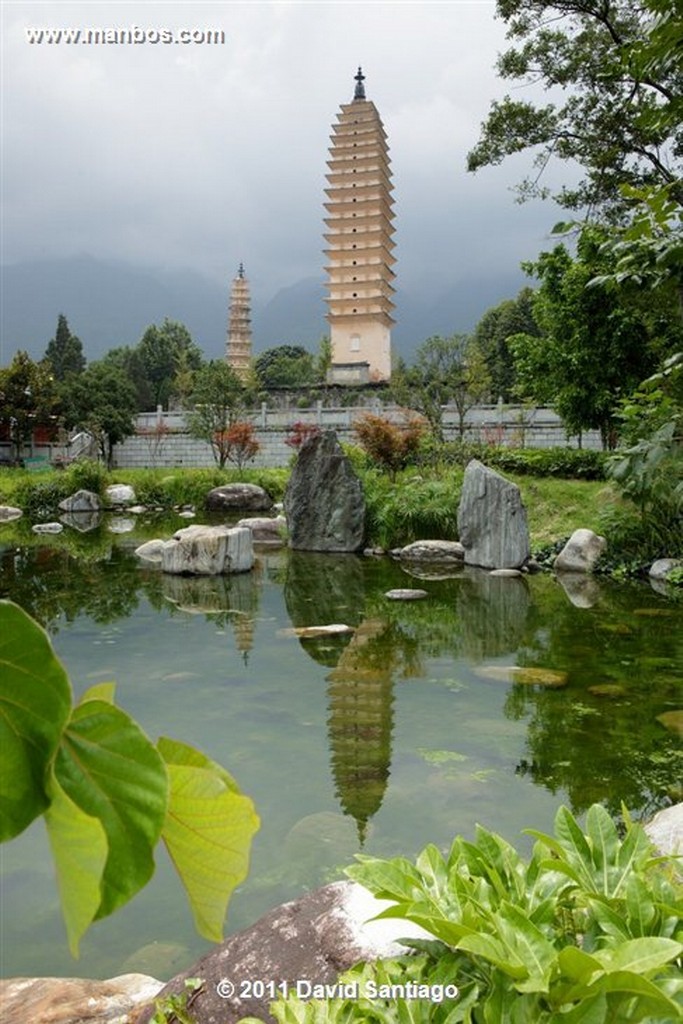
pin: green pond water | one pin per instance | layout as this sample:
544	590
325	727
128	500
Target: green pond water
409	730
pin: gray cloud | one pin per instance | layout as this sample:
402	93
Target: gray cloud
201	156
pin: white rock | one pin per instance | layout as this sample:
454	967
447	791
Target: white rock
8	513
151	551
666	830
47	528
266	529
120	494
580	553
405	594
208	551
121	524
660	569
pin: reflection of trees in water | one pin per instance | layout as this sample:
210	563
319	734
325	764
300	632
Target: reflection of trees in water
50	583
605	747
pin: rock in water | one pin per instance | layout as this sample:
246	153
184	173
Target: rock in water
208	551
81	501
324	503
580	553
492	520
75	1001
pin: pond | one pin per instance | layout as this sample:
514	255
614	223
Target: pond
493	700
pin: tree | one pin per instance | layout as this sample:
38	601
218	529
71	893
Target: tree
241	444
445	370
28	399
614	108
102	401
497	325
599	342
165	351
285	366
389	445
323	360
65	351
219	399
129	360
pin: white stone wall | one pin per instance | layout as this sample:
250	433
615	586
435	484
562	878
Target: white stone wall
507	425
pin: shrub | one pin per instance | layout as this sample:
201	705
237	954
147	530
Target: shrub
587	930
391	446
569	463
300	432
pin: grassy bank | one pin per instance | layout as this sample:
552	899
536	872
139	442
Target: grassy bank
415	504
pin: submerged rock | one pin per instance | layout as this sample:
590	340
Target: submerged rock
334	629
405	594
551	678
672	720
492	520
266	530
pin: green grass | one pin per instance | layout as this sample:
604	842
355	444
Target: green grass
417	504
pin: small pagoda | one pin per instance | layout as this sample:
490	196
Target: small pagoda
238	346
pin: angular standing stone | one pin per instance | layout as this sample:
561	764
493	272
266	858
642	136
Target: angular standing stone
492	520
324	503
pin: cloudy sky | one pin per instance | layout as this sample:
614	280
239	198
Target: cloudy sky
199	156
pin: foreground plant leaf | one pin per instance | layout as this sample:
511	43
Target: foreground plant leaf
79	847
111	771
35	701
208	832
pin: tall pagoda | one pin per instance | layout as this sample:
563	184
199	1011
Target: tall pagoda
238	347
359	237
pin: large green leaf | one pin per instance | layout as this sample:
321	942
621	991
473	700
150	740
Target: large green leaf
208	831
112	772
605	842
79	847
35	701
640	956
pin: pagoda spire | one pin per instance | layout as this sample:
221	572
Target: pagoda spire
359	78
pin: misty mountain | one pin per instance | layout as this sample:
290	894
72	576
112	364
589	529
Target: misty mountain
110	303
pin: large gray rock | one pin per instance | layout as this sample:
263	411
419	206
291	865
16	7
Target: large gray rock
312	939
492	520
75	1000
580	553
250	497
81	501
324	502
208	551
